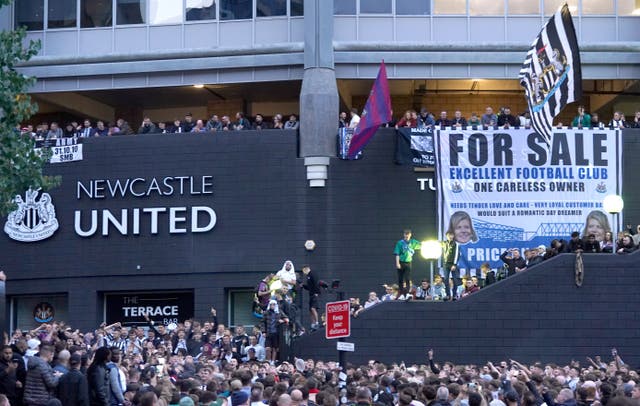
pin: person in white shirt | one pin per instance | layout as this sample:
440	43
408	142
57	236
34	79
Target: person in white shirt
355	118
287	274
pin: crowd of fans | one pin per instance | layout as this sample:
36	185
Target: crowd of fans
203	363
504	118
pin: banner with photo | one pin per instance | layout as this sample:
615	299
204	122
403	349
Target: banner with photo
344	142
416	147
502	189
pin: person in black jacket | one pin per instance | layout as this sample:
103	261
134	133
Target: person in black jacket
311	284
514	261
9	383
73	388
98	378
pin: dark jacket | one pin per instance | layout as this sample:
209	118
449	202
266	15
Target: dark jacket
73	389
98	378
41	382
513	263
8	382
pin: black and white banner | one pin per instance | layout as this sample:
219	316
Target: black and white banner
415	146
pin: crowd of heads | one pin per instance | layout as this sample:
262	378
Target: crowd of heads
154	373
88	128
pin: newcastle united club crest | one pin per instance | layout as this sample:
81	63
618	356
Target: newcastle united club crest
34	219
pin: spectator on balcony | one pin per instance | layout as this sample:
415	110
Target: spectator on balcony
636	120
525	119
42	130
241	122
342	120
54	131
575	244
69	131
591	244
626	246
175	127
187	124
162	127
407	121
443	121
595	121
488	118
277	122
507	119
260	124
28	130
199	127
617	121
458	121
125	128
425	119
469	288
292	124
226	124
474	120
214	124
147	127
113	129
583	119
87	130
101	129
355	118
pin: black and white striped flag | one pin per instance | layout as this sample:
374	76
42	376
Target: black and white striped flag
551	74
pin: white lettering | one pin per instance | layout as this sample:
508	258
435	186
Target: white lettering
173	219
78	224
195	211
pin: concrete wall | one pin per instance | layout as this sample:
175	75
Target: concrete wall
539	315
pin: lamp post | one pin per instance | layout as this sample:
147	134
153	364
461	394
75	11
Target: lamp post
431	250
613	204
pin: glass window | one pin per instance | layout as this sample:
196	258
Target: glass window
344	7
297	8
201	10
375	6
31	311
165	12
236	9
29	14
241	308
270	8
517	7
486	8
412	7
62	13
450	6
628	7
599	7
131	12
551	6
96	13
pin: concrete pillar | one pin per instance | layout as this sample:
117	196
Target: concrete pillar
319	95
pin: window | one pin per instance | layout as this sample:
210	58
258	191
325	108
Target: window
30	312
165	12
130	12
375	6
486	8
241	308
450	6
270	8
600	7
412	7
628	7
62	13
236	9
551	6
96	13
29	14
344	7
297	8
524	7
201	10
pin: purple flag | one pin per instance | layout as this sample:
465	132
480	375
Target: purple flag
377	111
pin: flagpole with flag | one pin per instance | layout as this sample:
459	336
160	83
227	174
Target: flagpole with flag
377	111
551	73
